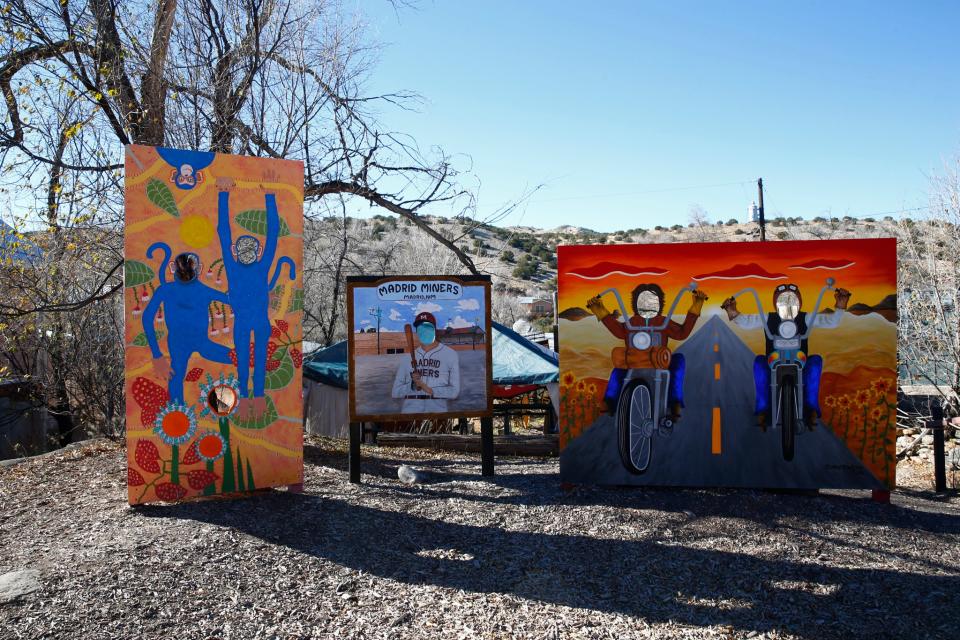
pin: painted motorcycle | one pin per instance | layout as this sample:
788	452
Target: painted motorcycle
786	364
642	407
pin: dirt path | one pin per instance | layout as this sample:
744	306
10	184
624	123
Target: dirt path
461	557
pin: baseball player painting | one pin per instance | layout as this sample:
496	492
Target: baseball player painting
428	386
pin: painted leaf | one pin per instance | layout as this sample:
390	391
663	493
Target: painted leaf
269	417
200	478
255	221
147	456
141	339
160	195
191	456
170	492
136	273
148	394
282	375
296	301
134	479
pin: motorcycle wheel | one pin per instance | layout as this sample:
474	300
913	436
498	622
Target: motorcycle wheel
635	426
788	423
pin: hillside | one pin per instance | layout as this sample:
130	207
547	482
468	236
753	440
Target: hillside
524	257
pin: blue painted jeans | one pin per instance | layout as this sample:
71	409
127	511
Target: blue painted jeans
811	384
678	366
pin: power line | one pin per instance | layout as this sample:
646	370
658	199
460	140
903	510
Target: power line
648	191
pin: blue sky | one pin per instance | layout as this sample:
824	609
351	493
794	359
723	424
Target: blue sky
456	313
629	113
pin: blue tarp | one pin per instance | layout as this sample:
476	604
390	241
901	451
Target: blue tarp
516	360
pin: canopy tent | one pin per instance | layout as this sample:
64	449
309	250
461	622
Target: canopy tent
516	361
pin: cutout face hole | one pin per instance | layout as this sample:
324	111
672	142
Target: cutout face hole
222	400
247	249
186	267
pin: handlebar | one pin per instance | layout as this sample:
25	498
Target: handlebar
813	317
666	320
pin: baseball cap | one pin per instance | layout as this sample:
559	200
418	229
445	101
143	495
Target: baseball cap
424	316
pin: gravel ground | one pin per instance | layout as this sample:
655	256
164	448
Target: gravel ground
460	557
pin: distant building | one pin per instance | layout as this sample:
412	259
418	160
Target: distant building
754	213
394	342
535	307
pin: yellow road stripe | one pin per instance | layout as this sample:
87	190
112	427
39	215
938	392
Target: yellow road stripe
715	444
716	371
716	348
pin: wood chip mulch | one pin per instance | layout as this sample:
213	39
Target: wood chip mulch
464	557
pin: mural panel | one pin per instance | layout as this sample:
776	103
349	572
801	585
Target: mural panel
729	364
213	304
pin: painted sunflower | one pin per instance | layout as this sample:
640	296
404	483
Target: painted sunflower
176	423
211	446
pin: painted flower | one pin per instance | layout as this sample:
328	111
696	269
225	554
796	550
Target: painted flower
881	386
176	423
592	389
211	446
843	402
568	379
863	398
830	401
581	385
877	413
225	391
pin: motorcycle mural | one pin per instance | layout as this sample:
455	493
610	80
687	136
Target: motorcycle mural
787	377
645	390
782	378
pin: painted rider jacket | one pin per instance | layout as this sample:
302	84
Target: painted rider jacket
673	329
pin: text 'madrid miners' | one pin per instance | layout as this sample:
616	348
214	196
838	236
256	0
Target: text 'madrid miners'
437	376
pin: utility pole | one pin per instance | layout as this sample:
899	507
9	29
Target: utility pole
763	221
377	313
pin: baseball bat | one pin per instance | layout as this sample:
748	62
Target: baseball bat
408	332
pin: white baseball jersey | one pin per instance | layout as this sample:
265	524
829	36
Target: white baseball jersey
439	368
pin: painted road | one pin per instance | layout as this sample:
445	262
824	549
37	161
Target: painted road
718	442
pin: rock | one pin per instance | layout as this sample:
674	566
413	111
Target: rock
927	439
409	475
18	583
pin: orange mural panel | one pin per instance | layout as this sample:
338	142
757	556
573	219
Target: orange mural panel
213	306
729	364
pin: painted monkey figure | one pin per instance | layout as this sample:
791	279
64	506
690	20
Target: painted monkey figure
185	302
248	265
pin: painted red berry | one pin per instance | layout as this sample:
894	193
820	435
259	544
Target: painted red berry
134	479
149	394
297	357
170	492
190	456
194	374
275	332
147	456
271	348
273	365
200	478
282	325
233	356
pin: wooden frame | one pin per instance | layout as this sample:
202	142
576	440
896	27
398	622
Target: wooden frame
355	282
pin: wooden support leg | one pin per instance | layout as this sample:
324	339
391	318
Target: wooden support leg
356	433
486	446
462	423
939	454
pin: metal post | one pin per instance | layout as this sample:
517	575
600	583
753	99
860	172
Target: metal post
939	455
486	446
353	460
763	221
462	423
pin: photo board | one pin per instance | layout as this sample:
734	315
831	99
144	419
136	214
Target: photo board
420	347
213	305
769	365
